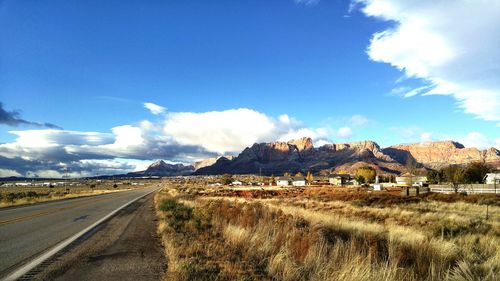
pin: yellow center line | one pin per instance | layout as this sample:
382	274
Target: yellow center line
52	211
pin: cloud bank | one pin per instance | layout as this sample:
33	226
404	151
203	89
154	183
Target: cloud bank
453	45
177	137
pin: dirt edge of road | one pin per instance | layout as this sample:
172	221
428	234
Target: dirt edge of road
126	247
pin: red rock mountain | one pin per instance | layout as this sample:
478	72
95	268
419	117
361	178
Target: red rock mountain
441	153
300	155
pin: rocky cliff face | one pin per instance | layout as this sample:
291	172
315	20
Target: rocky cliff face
442	153
300	155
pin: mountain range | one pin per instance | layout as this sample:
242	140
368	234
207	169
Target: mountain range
300	155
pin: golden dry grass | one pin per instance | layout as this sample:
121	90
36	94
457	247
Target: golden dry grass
324	237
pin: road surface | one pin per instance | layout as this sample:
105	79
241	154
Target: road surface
26	232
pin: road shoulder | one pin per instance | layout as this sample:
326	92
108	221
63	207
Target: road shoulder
124	248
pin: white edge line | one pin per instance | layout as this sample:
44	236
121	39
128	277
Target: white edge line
18	273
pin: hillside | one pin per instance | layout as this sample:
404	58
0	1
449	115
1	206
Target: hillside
440	153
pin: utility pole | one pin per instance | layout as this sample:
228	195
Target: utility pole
66	175
261	179
495	182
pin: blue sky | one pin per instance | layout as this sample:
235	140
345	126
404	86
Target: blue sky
89	66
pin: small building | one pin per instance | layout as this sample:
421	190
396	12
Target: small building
298	181
283	181
352	182
339	179
342	180
492	178
408	179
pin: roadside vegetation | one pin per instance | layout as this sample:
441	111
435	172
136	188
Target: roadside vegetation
14	196
327	234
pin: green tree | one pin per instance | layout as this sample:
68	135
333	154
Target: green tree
475	172
434	176
227	179
359	179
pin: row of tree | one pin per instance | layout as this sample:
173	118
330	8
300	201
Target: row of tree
456	174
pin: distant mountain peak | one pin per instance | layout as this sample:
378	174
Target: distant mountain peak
163	169
209	161
304	143
157	163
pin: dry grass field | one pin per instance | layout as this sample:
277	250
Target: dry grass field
327	234
15	196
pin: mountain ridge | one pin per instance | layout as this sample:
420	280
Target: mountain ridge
301	155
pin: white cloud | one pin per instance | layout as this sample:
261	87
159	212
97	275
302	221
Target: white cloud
285	119
44	174
154	108
344	132
472	139
400	91
451	44
228	130
416	91
9	173
476	139
426	137
358	120
48	143
408	133
147	125
318	135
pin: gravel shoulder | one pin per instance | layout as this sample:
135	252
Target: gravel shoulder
124	248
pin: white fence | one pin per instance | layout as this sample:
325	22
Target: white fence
468	188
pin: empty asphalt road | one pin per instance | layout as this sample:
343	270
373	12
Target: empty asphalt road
26	232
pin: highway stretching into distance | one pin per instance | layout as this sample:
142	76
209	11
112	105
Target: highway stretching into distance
28	231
